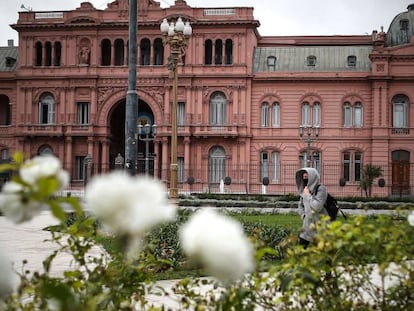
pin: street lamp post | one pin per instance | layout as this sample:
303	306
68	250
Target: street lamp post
175	35
131	105
305	133
147	133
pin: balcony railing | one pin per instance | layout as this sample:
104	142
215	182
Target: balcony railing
400	131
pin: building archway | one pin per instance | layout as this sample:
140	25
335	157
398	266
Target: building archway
117	135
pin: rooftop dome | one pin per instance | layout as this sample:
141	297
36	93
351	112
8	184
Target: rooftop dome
401	28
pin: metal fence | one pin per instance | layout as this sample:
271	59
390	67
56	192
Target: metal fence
248	179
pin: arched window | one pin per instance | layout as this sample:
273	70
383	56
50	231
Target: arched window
400	113
106	52
352	114
216	165
218	52
45	150
47	109
265	114
58	54
351	165
145	52
311	114
48	52
119	52
208	52
39	54
276	114
218	109
229	52
158	52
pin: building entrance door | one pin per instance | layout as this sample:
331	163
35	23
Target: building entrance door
400	172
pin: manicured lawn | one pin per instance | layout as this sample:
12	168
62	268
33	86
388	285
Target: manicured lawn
291	221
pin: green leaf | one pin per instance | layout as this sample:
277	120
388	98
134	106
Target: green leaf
58	211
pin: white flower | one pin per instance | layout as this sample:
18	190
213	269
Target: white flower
411	218
8	279
219	243
16	205
43	166
128	205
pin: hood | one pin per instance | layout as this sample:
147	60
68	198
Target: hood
313	178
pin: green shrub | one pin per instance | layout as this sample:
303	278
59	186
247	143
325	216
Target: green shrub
337	272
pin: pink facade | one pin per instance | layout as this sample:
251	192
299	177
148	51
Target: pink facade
241	98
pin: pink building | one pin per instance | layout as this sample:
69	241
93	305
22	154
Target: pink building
242	98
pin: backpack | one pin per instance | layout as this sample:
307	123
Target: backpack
331	206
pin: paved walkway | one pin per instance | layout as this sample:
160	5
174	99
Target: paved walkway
27	241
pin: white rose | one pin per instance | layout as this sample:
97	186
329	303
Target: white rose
15	205
219	243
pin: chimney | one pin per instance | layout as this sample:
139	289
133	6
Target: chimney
10	43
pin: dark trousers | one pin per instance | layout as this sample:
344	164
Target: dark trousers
303	242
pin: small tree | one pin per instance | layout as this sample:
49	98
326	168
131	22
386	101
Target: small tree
369	173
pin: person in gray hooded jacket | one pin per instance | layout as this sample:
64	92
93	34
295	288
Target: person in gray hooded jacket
311	205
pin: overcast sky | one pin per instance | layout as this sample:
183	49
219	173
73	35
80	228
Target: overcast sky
277	17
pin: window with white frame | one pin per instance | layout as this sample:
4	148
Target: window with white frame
313	159
83	113
316	114
181	114
265	114
4	154
306	114
217	164
270	166
180	173
351	165
47	109
275	166
79	168
400	111
358	115
264	165
276	114
311	114
218	109
352	114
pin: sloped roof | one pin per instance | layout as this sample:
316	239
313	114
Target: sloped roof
328	58
8	58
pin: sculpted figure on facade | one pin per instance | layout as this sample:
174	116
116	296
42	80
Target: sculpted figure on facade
84	55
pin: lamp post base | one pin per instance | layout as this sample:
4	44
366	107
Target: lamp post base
173	182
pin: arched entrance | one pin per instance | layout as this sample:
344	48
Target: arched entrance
117	130
400	172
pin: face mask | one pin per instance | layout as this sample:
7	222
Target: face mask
305	182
